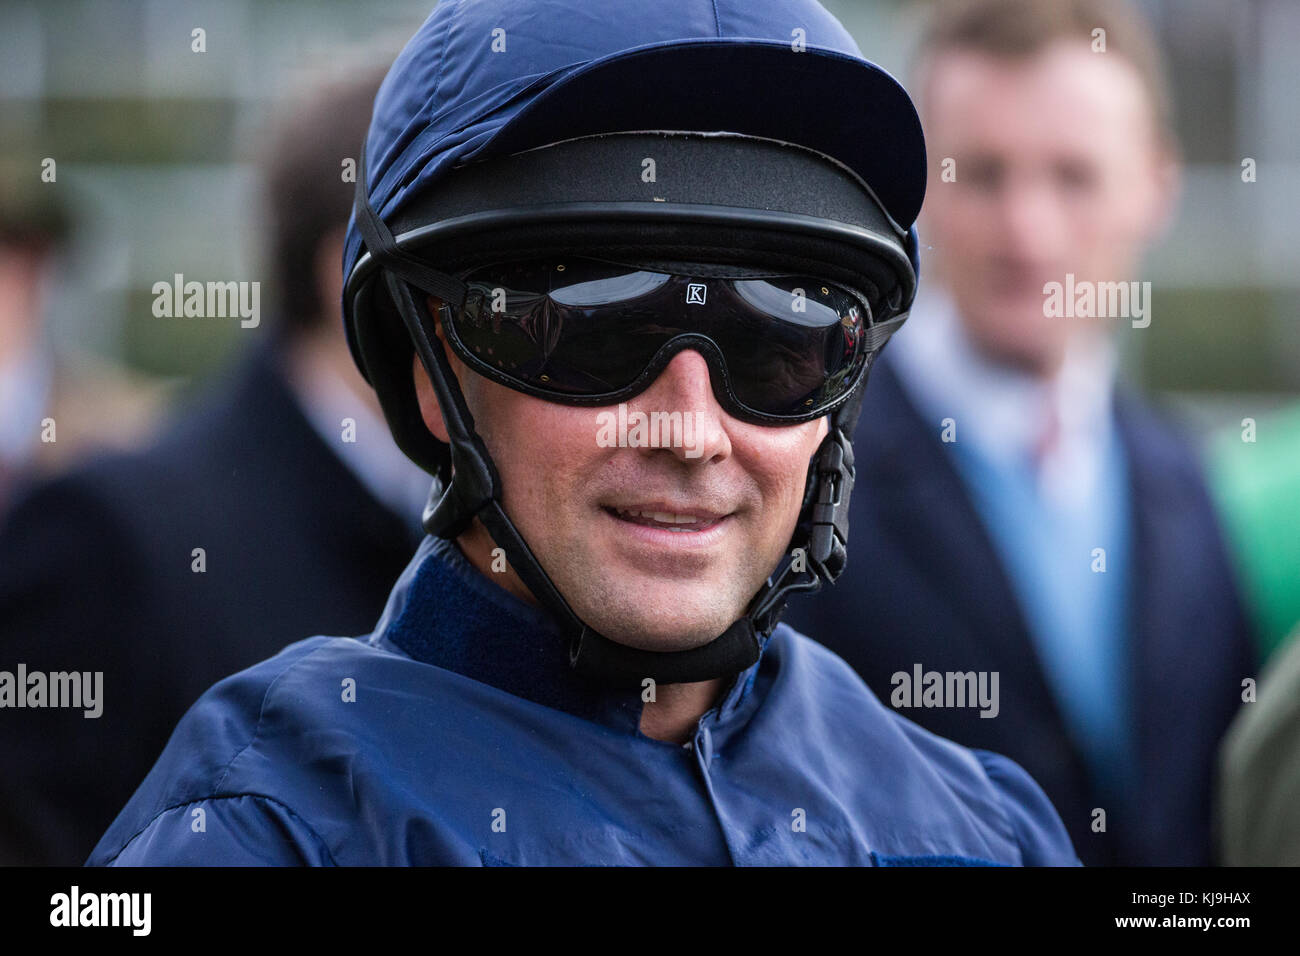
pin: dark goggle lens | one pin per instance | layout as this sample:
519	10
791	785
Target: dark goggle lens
585	329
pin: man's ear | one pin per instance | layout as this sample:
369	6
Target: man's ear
429	409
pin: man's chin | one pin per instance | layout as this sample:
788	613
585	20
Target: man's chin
1021	346
683	605
642	629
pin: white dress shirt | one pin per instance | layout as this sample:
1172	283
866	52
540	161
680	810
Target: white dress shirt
1004	410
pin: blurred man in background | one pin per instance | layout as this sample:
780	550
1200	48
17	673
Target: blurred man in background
53	405
1046	525
171	568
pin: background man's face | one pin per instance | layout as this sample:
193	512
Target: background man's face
629	577
1057	170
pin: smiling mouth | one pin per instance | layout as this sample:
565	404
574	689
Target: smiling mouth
666	520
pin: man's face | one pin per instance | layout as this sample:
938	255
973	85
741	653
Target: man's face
588	508
23	269
1058	170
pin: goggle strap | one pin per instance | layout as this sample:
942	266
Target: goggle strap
880	333
383	248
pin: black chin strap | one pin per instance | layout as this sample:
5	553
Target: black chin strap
471	488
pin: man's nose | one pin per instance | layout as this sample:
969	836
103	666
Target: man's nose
684	387
1031	218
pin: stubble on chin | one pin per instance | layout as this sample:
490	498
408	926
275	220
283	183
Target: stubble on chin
650	613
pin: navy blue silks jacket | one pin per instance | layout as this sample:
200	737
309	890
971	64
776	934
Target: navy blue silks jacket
924	583
457	734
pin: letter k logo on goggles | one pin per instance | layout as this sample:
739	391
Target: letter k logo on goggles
781	349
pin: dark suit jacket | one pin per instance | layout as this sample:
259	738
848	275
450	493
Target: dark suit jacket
96	575
924	585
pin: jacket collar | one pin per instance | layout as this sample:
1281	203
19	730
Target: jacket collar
260	383
445	612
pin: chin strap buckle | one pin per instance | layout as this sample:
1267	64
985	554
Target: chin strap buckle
828	551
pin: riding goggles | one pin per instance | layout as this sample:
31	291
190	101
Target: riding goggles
781	349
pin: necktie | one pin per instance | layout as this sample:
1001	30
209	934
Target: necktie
1049	436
